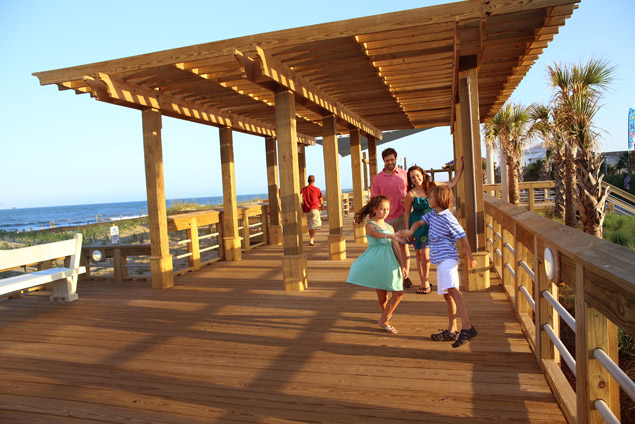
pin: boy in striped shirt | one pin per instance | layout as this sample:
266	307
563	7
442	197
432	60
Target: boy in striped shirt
444	232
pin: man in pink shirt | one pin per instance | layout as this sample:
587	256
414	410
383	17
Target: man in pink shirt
392	182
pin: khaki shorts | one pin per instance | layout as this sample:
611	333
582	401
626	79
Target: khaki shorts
397	223
313	219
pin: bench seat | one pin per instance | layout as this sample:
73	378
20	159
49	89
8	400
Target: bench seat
37	278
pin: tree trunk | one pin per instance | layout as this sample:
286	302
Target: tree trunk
512	172
591	193
559	190
570	190
545	170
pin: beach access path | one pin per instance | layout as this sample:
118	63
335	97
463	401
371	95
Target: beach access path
227	344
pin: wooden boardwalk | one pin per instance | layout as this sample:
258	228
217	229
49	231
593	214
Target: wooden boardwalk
228	345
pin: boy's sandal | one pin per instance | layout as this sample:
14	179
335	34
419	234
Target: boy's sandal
424	290
465	336
445	336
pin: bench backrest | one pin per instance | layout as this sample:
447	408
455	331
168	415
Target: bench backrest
43	252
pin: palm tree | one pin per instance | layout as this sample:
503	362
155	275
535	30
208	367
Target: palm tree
544	126
510	128
578	90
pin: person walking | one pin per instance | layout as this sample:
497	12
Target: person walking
312	205
415	206
381	266
392	183
444	232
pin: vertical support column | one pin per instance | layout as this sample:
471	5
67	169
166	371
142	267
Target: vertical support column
459	202
337	242
473	174
365	168
231	238
294	270
302	181
372	157
358	192
160	260
193	247
275	229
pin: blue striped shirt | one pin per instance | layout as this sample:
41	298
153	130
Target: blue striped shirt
444	231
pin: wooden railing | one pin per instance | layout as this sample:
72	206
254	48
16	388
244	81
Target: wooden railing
534	195
521	245
197	241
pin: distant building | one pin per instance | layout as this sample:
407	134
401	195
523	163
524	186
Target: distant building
533	155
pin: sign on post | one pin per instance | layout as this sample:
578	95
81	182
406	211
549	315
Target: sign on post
114	234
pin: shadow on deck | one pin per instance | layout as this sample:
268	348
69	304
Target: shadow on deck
226	344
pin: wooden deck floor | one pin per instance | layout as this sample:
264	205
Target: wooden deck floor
228	345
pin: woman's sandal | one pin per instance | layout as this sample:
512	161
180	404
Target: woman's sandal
445	336
424	290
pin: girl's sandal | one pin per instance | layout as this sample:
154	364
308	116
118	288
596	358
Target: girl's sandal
424	290
390	329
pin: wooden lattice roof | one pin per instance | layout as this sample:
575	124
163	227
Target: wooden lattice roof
385	72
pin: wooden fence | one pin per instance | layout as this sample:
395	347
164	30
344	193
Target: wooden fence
533	256
534	195
196	241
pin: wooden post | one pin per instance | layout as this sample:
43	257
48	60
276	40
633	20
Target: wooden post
303	182
365	168
193	246
231	238
459	198
593	381
117	265
160	260
275	229
246	239
372	157
294	272
473	172
358	191
532	202
337	242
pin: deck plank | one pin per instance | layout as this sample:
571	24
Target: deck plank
226	344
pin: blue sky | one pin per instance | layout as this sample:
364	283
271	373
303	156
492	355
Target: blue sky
58	148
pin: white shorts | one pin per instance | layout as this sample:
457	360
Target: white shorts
447	275
313	219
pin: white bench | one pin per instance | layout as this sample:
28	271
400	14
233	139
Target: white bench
64	279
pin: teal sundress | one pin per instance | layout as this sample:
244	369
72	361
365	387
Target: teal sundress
420	207
377	267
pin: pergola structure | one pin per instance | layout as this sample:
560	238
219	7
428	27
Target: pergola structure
449	65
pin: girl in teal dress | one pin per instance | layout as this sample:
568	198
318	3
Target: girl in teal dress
416	205
381	266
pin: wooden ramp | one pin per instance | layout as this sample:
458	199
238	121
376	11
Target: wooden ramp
228	345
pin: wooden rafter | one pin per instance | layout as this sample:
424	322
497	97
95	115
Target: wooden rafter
265	70
113	90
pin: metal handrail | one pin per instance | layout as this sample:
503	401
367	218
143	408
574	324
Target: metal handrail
566	316
530	299
528	270
605	412
566	355
616	372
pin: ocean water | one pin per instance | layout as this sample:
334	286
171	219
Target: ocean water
63	216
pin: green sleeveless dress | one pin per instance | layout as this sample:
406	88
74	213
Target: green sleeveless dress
420	207
377	267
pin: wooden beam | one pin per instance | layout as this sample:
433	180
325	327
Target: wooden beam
372	158
160	260
266	70
113	90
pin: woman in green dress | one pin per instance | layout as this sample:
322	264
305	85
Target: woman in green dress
381	266
416	205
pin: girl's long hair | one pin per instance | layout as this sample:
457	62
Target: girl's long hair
427	184
369	208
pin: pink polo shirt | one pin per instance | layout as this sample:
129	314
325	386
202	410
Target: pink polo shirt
393	186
